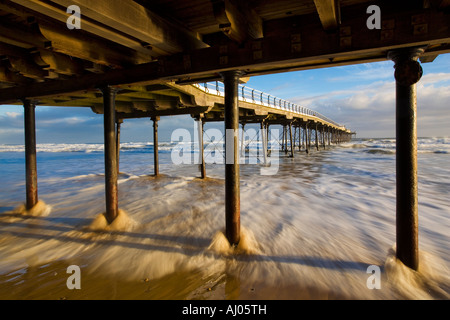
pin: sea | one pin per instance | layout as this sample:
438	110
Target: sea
320	226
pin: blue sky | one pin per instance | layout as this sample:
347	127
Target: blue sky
362	97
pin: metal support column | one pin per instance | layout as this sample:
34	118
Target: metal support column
408	72
323	137
304	137
292	142
155	145
232	183
30	154
111	193
243	140
294	135
317	139
118	124
201	152
264	141
307	138
329	136
285	128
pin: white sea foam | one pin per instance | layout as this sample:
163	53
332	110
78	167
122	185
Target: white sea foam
431	279
247	244
40	209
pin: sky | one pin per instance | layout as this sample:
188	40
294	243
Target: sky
361	97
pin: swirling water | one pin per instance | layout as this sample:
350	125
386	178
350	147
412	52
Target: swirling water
311	231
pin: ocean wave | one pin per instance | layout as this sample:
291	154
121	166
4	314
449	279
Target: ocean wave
56	147
85	147
354	145
425	145
380	151
170	239
433	151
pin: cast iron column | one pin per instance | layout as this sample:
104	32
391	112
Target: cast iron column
292	142
306	135
285	128
243	140
30	154
201	152
118	124
329	136
264	141
111	194
309	136
232	183
155	145
407	73
317	139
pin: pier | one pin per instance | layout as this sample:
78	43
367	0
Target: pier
129	59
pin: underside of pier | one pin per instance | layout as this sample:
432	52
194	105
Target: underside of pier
132	59
142	45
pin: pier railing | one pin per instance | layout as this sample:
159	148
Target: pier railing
250	95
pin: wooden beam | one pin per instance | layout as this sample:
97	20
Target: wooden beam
76	43
29	69
153	104
329	13
433	51
59	63
444	4
237	20
441	4
168	90
133	19
59	13
276	54
14	51
158	113
172	95
11	78
94	67
25	39
428	58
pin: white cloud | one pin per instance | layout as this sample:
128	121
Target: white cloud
11	131
366	72
68	121
13	114
370	109
434	78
